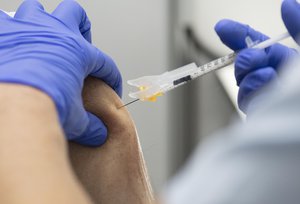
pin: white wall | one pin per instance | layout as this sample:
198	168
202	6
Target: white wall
135	34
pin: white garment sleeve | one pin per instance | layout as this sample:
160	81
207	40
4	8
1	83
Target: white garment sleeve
253	163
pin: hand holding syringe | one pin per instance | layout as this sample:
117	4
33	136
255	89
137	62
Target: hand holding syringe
151	87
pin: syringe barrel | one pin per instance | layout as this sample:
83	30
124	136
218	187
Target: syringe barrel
215	65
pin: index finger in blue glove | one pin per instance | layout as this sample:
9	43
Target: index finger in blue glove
253	82
279	54
95	133
104	68
233	34
252	59
249	60
29	10
84	127
290	11
73	16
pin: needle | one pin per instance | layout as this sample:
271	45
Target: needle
129	103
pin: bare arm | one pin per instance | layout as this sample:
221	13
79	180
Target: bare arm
34	167
115	172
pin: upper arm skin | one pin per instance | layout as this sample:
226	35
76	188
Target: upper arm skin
34	167
115	172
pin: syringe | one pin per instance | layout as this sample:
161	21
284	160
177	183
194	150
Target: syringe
150	87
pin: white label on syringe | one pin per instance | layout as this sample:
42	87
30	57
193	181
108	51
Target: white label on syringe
214	65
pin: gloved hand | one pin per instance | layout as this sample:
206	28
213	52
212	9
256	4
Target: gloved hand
53	53
254	68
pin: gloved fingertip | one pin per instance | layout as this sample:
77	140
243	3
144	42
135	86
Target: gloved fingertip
279	54
95	134
290	11
220	25
252	85
243	65
225	25
118	87
72	14
249	60
30	4
28	9
106	69
232	33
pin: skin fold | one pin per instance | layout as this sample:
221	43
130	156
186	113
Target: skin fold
115	172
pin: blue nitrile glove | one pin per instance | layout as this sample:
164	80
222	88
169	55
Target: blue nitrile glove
290	11
254	68
53	53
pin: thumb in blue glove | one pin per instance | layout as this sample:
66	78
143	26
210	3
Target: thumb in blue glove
254	68
53	53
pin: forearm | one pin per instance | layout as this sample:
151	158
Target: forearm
33	162
115	172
